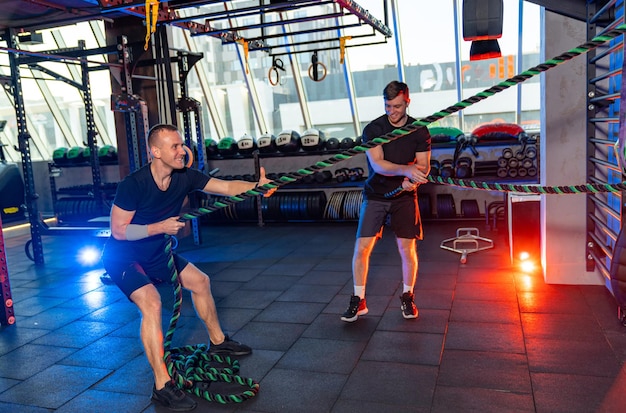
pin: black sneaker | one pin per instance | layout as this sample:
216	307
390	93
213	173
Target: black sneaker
409	310
356	308
173	397
229	348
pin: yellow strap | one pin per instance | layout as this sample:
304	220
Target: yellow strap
342	47
246	51
152	15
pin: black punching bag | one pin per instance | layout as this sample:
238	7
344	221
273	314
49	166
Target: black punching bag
482	25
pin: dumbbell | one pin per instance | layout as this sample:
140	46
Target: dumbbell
356	174
342	174
447	168
308	179
463	167
323	176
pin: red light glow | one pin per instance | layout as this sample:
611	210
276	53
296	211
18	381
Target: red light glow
527	266
524	255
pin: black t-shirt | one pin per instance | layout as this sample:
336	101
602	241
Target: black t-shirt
399	151
139	192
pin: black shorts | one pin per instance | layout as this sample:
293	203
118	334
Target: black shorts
130	275
403	214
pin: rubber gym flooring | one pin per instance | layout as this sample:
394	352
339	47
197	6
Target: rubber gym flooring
488	338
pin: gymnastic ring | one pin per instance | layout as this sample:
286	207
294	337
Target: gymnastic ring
272	70
323	67
189	156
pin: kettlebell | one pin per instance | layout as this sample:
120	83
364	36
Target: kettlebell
434	167
463	167
447	168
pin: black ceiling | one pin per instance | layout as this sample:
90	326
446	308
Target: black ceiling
28	15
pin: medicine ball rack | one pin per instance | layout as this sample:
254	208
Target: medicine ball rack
77	56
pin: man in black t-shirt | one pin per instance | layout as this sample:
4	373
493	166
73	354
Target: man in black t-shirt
145	211
403	162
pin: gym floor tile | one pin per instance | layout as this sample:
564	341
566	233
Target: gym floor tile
577	393
397	383
504	372
322	355
482	311
290	312
468	399
286	390
506	338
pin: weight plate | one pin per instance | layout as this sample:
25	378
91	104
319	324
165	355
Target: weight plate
469	208
445	206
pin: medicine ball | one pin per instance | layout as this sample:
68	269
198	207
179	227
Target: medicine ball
332	144
86	155
312	140
107	154
59	156
288	141
246	144
75	155
211	147
227	146
346	143
266	143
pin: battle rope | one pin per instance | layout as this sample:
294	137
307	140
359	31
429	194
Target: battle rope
531	189
412	127
193	369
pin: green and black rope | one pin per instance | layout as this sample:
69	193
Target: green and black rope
420	123
193	369
530	189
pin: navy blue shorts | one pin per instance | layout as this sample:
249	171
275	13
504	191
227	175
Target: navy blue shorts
129	275
403	215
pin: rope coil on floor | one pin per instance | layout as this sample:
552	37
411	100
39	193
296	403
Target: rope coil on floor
193	369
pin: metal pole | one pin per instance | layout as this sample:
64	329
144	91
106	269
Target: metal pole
397	40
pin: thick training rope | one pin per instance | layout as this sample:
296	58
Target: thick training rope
193	369
531	189
405	130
